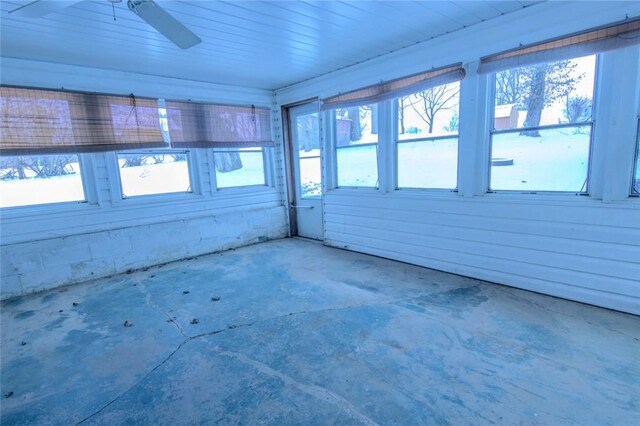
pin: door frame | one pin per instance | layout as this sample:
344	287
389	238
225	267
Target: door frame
289	163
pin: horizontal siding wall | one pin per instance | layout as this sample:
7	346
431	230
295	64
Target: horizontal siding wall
44	247
583	250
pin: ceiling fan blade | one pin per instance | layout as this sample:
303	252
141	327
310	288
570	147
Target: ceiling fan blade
164	23
39	8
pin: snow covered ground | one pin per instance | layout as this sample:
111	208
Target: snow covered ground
23	192
159	178
310	173
358	166
556	161
428	164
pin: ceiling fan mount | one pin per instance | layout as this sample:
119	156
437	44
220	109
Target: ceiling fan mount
148	10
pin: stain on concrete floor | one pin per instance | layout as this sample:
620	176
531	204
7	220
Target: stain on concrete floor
304	334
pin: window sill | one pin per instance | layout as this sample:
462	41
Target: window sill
158	198
243	189
555	198
68	207
546	199
356	188
427	190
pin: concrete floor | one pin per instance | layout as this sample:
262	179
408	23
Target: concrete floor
305	334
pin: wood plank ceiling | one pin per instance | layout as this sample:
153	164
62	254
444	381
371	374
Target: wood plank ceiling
261	44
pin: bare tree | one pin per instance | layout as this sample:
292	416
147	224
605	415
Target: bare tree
134	160
535	87
536	100
577	109
227	161
178	157
12	168
40	166
230	124
353	114
454	124
432	101
509	87
402	104
372	111
158	158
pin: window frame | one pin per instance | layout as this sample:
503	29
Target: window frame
334	139
491	95
397	142
117	190
87	173
266	172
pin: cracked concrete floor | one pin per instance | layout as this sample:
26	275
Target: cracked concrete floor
291	332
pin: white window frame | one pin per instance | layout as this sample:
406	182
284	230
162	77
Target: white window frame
266	169
87	173
591	123
382	109
328	154
473	133
396	142
115	181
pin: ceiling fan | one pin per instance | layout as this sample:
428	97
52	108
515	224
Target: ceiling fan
148	10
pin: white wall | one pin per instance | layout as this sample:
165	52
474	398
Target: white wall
48	246
585	248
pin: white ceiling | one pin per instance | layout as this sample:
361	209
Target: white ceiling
260	44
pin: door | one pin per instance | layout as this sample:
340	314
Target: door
306	170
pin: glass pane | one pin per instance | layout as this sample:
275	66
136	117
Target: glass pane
154	173
307	133
310	180
545	94
358	166
428	164
636	176
239	167
356	125
431	112
29	180
557	160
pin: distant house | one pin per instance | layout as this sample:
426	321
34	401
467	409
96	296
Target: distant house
506	117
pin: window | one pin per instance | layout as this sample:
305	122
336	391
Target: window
542	126
355	119
30	180
357	146
427	140
635	181
239	167
153	172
